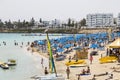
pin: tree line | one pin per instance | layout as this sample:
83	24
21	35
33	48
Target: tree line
31	23
17	24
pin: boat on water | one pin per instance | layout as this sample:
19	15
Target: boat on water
75	62
11	62
4	66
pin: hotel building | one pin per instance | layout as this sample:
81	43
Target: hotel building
118	20
99	20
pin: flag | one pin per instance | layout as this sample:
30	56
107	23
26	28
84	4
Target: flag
51	65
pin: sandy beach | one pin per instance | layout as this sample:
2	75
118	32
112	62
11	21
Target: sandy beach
95	68
34	60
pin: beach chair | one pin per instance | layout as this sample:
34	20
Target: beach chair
102	74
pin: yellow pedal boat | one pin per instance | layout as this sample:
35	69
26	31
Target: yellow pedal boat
108	59
74	62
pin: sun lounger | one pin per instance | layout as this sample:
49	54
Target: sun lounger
116	71
110	77
83	74
102	74
79	65
115	68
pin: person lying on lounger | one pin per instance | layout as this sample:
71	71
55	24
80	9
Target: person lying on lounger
83	72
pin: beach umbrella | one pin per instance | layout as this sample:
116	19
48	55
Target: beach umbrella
54	45
70	38
62	41
68	45
41	42
94	45
60	50
100	41
78	37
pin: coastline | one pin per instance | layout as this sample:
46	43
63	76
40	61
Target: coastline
61	30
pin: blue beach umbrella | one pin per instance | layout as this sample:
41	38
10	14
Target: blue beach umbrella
100	41
41	42
54	45
68	45
70	38
94	45
60	50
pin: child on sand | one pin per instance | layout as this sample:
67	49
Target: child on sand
46	72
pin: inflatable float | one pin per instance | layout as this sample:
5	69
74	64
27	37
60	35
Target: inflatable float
108	59
75	63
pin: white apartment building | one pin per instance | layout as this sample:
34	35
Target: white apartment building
99	20
55	23
118	20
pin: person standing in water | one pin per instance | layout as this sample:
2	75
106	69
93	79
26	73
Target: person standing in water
22	43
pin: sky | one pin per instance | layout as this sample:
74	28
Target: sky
55	9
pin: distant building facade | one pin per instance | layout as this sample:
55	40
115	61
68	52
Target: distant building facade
55	23
99	20
118	20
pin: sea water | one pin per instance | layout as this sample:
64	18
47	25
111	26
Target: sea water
28	63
